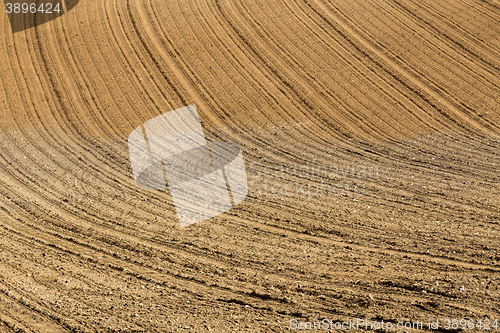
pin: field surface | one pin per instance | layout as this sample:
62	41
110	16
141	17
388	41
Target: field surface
390	108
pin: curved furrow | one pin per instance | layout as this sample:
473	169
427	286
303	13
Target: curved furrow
159	29
479	78
177	275
447	30
487	78
284	155
485	8
40	319
45	280
279	68
355	92
428	73
65	151
410	79
353	75
165	76
198	81
55	197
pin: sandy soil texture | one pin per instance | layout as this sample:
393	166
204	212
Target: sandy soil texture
390	108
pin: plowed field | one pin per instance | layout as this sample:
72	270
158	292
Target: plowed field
389	108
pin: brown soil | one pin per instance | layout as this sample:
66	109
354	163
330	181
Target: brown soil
407	88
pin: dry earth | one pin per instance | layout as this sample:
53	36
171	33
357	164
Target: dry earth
408	90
